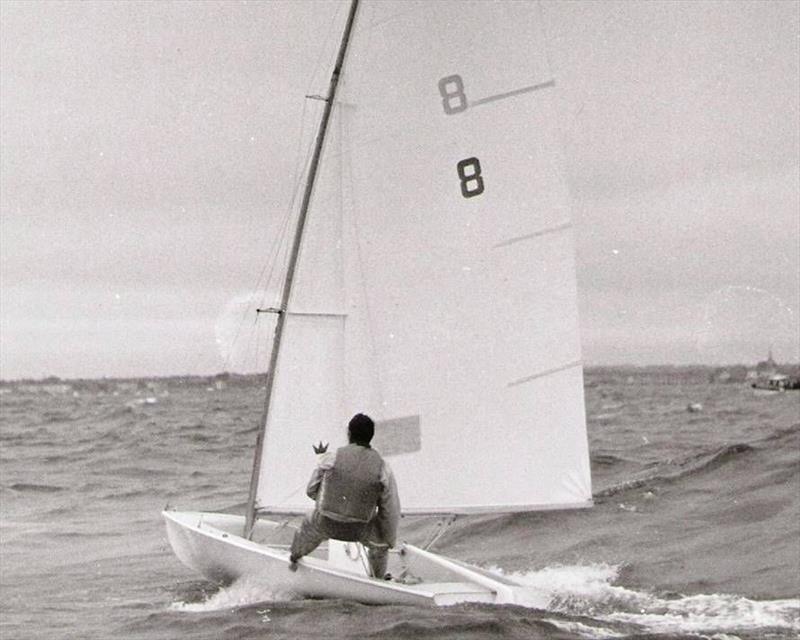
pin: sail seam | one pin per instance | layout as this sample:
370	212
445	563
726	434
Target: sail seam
515	92
543	374
561	227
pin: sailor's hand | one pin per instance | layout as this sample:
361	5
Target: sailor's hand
320	448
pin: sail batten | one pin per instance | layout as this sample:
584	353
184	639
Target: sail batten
549	372
510	94
319	314
564	226
451	327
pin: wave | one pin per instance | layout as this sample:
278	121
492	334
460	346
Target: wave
242	593
691	466
137	403
132	493
584	600
57	459
138	408
56	417
35	488
118	412
591	593
608	460
788	433
192	427
200	437
467	626
84	535
776	444
141	472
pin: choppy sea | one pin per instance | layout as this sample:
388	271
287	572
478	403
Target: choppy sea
695	532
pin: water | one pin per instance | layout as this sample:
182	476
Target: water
695	532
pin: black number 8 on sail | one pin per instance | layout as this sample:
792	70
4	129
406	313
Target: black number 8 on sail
469	172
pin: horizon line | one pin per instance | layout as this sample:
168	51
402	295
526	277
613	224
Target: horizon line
586	367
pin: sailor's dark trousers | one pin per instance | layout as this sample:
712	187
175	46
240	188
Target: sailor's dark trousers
317	528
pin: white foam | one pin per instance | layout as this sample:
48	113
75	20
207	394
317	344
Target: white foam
587	591
585	630
590	591
717	613
242	593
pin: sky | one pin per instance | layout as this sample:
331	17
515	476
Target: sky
148	154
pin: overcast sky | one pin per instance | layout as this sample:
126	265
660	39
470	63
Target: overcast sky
148	152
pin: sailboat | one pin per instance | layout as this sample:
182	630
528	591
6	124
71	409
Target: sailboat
430	285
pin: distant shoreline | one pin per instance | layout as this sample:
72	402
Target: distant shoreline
714	373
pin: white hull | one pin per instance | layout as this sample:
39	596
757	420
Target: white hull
211	544
760	391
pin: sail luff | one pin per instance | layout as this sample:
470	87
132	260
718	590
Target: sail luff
250	513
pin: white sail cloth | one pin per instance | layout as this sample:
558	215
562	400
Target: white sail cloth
435	289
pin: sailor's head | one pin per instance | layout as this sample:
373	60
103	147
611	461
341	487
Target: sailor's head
361	429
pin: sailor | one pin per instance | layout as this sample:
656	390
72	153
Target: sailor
356	499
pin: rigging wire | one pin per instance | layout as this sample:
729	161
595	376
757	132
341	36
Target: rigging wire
323	50
248	307
300	175
277	256
279	245
280	255
280	240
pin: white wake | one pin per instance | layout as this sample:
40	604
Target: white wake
591	591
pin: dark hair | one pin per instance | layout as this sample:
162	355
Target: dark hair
361	429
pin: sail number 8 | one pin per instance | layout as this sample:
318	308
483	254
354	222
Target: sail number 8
451	89
469	172
454	100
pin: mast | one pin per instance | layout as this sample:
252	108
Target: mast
250	515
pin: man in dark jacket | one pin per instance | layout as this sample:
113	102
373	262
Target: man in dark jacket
356	499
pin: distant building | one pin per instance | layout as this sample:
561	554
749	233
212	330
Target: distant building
766	368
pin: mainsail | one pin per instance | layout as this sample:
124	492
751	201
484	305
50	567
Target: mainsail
435	287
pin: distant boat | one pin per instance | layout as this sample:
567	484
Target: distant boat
777	383
451	317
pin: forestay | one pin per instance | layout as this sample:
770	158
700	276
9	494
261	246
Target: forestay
435	289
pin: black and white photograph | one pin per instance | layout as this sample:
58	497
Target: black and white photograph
438	319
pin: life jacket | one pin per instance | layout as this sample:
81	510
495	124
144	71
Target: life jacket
351	488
